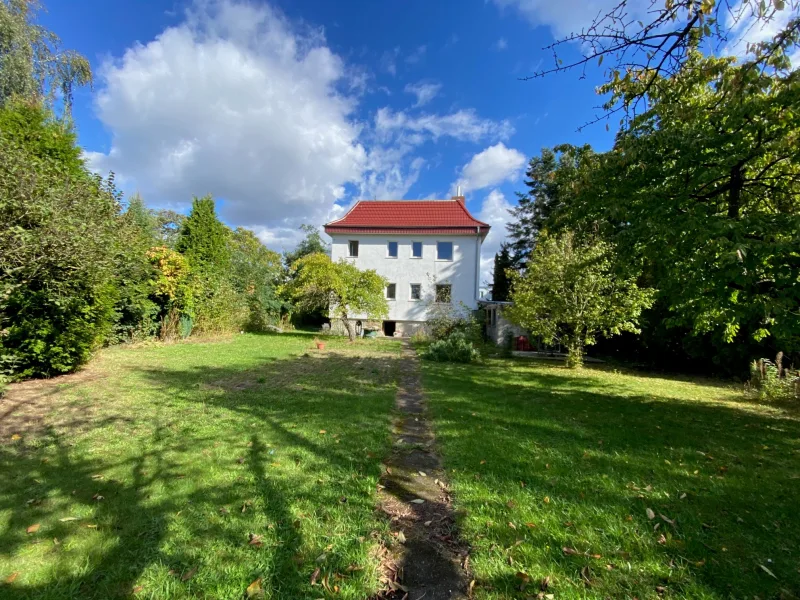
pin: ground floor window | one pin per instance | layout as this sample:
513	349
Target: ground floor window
416	291
444	293
391	291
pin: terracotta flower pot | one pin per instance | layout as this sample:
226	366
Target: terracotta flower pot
320	345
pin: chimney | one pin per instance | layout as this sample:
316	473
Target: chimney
459	197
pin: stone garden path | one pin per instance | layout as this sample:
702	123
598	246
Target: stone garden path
427	560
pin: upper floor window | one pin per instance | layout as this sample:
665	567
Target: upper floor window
416	249
352	248
391	249
391	291
444	250
444	293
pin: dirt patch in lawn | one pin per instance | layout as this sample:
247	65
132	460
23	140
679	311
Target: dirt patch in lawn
427	559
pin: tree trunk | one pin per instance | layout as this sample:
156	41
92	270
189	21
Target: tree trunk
351	330
574	355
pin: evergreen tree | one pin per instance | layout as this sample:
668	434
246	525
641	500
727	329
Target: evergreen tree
550	178
501	286
204	238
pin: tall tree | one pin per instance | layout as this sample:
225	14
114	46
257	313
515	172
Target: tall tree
32	64
703	192
570	294
550	178
339	287
501	285
257	272
204	238
311	243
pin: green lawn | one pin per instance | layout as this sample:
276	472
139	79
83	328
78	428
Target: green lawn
152	471
618	485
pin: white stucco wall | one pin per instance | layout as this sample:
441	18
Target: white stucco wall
462	273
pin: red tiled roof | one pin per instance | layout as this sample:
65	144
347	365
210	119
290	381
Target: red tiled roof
408	216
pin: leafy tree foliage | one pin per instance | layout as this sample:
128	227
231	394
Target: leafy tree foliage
32	64
570	294
702	192
257	273
320	283
501	286
311	243
638	53
56	247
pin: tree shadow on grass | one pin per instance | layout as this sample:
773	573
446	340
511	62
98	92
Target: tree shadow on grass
161	517
593	459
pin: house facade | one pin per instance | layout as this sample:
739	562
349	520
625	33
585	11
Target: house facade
428	250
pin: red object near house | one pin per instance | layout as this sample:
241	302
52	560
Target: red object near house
523	345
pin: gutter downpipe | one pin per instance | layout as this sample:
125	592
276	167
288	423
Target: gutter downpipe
478	264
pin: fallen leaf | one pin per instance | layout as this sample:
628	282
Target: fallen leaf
569	551
11	578
98	497
65	519
137	589
240	460
33	528
668	520
428	523
256	540
547	499
510	524
15	437
767	571
511	504
650	514
660	589
586	575
523	576
683	495
483	462
189	574
531	525
471	588
314	576
322	432
254	589
401	537
417	501
422	473
662	540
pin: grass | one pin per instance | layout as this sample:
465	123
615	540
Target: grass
148	474
600	484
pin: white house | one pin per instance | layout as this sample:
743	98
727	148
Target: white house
428	250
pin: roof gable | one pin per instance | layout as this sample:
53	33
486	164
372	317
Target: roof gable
409	216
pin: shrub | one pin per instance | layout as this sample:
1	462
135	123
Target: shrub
57	242
446	319
772	381
455	348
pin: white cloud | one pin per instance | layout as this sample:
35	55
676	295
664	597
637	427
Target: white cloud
425	91
238	102
234	103
463	125
417	55
389	61
491	167
564	16
747	28
494	211
501	44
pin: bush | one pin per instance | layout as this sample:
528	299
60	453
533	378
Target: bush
57	241
455	348
772	381
446	319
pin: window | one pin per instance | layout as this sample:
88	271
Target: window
391	249
391	291
443	293
416	249
444	250
352	248
416	291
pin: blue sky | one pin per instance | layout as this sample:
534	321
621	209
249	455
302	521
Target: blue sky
288	111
